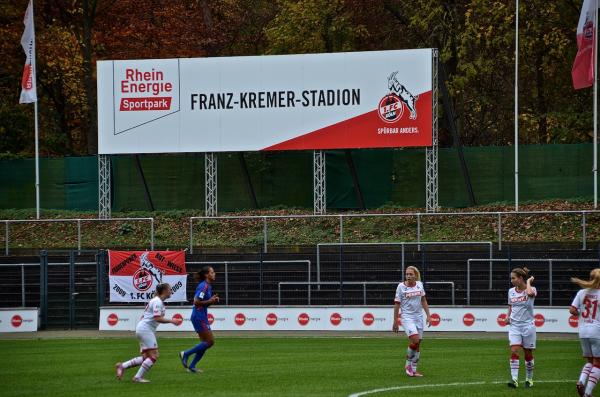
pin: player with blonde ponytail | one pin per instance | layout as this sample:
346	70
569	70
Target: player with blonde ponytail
410	302
585	305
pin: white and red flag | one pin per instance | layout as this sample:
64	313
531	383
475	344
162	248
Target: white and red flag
28	90
134	275
583	67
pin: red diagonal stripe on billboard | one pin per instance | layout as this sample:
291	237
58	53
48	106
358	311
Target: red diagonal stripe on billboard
363	131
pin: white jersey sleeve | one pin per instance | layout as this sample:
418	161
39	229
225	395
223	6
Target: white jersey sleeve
578	300
398	297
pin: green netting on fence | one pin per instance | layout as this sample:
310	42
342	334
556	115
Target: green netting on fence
394	176
65	183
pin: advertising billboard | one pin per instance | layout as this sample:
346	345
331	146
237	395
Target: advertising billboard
377	99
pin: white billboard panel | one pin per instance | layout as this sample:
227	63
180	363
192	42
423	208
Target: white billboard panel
310	318
289	102
23	319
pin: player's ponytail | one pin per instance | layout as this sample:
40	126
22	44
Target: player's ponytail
417	272
204	272
522	272
593	282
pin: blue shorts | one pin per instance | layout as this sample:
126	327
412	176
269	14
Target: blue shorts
200	323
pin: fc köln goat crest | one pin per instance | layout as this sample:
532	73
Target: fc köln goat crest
391	106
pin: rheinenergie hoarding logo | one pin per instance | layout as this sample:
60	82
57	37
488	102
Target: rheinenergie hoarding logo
149	83
143	92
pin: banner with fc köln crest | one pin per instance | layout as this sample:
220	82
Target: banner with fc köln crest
348	100
134	275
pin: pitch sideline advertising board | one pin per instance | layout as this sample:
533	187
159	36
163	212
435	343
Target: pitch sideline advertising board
134	275
19	319
348	100
337	319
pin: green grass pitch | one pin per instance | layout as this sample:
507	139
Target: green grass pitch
290	366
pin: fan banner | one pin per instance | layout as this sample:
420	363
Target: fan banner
134	275
373	99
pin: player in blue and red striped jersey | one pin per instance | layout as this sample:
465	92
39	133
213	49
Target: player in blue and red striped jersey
203	298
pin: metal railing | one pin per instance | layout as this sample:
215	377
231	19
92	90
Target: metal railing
402	244
78	221
550	271
24	265
227	263
497	216
450	283
364	284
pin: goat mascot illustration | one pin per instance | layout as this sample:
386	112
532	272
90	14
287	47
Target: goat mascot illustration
153	270
405	96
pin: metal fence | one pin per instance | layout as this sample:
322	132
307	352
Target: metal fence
402	245
342	222
497	219
364	285
77	222
69	288
544	267
259	273
64	287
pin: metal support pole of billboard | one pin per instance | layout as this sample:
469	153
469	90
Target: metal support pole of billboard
431	153
210	184
319	182
103	186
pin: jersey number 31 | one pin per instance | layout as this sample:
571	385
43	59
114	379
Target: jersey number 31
588	303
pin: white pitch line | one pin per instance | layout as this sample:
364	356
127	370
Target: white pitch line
408	387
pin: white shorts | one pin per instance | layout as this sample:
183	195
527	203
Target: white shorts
413	327
147	340
590	347
522	335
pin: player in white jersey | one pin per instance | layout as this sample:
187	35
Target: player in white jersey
154	314
521	331
585	305
410	302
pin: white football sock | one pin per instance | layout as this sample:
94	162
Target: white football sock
415	361
592	380
410	354
146	365
585	372
514	368
134	362
529	365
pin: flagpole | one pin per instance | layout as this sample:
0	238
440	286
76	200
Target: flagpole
37	135
596	106
29	90
517	108
37	163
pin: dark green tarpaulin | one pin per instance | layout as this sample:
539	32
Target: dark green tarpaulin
393	176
